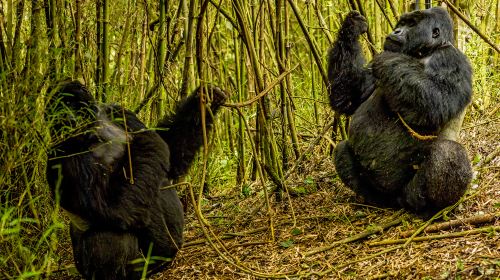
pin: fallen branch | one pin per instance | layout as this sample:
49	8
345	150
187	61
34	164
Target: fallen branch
361	235
436	237
489	158
480	219
441	213
228	235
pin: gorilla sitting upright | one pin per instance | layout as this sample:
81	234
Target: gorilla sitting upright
106	169
407	107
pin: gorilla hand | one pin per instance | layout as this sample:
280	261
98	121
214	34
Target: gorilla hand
354	25
217	96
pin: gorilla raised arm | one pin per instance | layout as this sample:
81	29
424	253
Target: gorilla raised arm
350	82
401	150
107	176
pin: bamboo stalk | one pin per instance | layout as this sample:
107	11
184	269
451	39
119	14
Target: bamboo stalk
393	9
437	236
105	49
199	39
239	59
249	43
480	219
313	82
98	70
289	87
261	176
189	50
361	235
32	58
121	46
474	28
16	45
50	24
78	38
310	41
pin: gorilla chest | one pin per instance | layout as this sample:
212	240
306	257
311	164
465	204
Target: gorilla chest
380	141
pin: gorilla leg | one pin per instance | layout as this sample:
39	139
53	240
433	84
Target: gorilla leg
105	255
183	132
353	175
164	233
441	179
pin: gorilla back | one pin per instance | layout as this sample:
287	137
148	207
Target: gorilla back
407	108
106	170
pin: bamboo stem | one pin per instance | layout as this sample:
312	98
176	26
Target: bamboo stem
310	41
437	236
481	219
474	28
362	235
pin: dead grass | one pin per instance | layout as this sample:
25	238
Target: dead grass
332	213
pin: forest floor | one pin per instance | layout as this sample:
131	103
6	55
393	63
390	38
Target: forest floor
331	213
328	213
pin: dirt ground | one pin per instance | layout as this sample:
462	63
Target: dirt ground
330	213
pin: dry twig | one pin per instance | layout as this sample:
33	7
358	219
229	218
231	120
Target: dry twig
358	236
480	219
437	236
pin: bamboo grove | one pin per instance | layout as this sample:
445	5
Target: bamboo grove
270	55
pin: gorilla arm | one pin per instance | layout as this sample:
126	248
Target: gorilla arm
182	131
350	82
426	92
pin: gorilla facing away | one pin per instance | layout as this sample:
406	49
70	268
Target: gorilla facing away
407	107
107	176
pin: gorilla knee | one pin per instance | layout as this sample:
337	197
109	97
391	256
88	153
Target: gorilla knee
442	179
448	174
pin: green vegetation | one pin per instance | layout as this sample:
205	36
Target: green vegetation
147	55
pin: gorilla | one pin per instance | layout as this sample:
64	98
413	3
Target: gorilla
407	107
106	169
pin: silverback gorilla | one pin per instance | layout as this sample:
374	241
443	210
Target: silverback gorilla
107	176
407	107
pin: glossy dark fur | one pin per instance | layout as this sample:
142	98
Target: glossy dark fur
424	79
116	220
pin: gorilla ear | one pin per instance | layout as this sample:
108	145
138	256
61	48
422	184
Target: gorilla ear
435	33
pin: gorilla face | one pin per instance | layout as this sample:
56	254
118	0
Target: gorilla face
419	33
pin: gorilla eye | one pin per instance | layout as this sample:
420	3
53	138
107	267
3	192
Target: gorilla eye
435	32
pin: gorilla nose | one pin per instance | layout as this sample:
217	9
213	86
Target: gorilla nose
397	31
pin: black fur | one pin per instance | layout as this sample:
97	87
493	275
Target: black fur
118	217
424	79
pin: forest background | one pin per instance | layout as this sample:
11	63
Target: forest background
269	185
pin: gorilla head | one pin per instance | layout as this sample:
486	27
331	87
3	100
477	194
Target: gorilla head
421	32
71	109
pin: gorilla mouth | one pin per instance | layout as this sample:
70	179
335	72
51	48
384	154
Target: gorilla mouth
392	45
